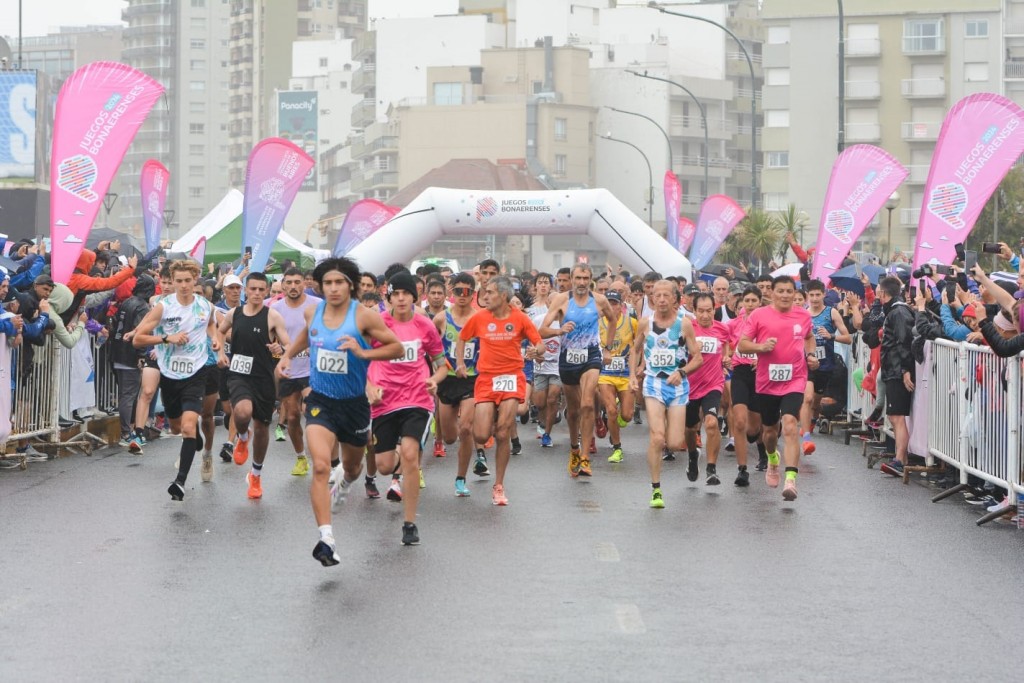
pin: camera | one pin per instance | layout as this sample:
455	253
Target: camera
931	270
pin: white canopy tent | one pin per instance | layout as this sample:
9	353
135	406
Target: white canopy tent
596	213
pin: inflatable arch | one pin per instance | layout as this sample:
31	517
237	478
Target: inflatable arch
439	211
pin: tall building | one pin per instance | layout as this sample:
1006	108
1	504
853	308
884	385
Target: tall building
905	66
184	46
59	54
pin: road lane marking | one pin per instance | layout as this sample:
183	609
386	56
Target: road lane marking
606	552
630	621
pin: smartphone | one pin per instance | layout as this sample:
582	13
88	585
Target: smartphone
248	253
970	260
991	248
922	285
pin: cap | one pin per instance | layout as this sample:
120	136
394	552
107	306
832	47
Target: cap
614	295
969	312
691	290
832	298
736	288
402	282
231	280
43	280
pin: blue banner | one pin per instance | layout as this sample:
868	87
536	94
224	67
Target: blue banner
18	124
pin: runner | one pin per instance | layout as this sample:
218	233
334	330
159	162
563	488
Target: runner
337	410
454	393
617	336
579	362
488	268
547	386
258	334
232	288
783	338
706	385
181	325
291	391
746	412
829	328
665	353
500	383
402	394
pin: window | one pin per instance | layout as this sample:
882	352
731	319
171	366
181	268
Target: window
197	128
196	212
195	171
561	129
197	107
197	86
776	76
776	201
923	35
560	164
776	118
195	192
197	64
976	71
778	159
197	150
198	43
198	23
447	94
778	35
976	28
199	3
323	62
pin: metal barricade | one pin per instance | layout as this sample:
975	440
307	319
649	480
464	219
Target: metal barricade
944	407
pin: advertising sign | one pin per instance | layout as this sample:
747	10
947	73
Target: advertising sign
18	124
297	122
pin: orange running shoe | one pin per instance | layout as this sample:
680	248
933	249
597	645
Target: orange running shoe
241	451
490	443
439	451
585	467
498	495
809	447
255	486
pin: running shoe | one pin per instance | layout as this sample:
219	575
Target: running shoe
574	462
498	495
667	455
700	442
742	478
593	447
370	484
712	479
540	431
762	462
622	423
176	490
125	440
423	482
616	455
439	450
339	489
480	467
585	468
692	472
395	491
545	441
410	534
994	507
334	474
279	434
524	418
225	452
241	453
789	490
637	419
301	468
206	469
893	467
326	554
771	476
490	443
657	501
809	447
135	444
534	413
731	446
255	486
517	447
601	427
461	490
723	426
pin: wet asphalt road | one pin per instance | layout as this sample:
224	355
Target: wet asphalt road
104	578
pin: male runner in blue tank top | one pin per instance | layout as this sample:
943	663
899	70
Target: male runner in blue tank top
337	334
579	361
829	328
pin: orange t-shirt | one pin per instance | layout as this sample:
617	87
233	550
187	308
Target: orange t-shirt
501	340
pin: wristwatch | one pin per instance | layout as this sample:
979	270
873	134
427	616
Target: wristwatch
164	339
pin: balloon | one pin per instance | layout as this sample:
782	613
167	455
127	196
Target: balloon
858	378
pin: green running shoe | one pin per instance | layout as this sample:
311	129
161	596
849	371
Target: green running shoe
656	499
622	423
279	434
616	455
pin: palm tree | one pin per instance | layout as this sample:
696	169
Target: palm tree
792	222
760	235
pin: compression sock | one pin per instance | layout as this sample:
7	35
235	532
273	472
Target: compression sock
186	455
791	473
773	458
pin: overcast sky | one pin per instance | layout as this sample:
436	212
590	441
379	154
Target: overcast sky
40	16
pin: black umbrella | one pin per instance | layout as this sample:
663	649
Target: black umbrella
128	245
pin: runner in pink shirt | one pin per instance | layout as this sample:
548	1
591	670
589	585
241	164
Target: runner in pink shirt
746	411
782	337
706	385
401	393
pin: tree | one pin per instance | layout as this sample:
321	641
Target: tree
1010	194
793	223
760	235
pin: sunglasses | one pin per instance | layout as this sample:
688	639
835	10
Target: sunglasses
462	291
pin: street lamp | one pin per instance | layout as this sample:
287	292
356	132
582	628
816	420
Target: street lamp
650	177
890	204
644	116
842	82
109	199
753	101
703	119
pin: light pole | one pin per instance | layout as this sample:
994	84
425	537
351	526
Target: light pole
703	119
753	92
663	132
109	199
842	82
890	204
650	177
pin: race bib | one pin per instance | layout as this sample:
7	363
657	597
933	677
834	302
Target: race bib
618	364
227	348
708	345
470	351
302	354
411	351
780	372
183	366
332	362
663	358
241	364
576	356
747	356
819	352
506	384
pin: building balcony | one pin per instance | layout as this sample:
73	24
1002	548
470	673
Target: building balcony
909	216
146	30
918	174
365	78
157	7
364	46
924	45
921	88
863	47
863	90
364	113
1013	27
1013	70
863	132
736	64
920	131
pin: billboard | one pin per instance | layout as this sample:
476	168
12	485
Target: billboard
297	122
18	124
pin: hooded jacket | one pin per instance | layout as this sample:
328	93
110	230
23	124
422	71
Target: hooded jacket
128	317
897	335
61	299
81	281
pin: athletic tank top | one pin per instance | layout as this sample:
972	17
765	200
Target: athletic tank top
294	321
585	336
621	346
250	335
662	349
450	339
825	349
333	372
183	361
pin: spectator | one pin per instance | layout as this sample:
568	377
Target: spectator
61	299
127	360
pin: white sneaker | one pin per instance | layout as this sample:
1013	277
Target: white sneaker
206	471
540	431
339	489
335	473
